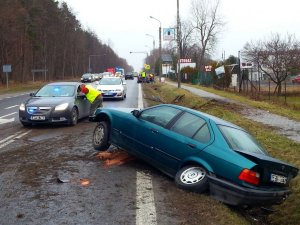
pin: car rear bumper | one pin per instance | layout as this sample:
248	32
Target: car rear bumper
233	194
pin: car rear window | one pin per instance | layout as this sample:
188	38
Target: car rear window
241	140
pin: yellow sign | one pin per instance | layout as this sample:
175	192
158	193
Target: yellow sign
147	66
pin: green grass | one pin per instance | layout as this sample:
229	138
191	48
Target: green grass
290	110
278	146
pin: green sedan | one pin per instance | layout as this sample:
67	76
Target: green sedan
201	152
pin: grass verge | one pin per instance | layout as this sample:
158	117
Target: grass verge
291	110
277	145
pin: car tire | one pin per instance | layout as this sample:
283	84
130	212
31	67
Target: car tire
74	116
192	178
25	124
101	136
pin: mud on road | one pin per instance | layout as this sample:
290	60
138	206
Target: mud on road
54	176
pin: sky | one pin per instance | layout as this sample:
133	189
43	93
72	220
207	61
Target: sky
123	24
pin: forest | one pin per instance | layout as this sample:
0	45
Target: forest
46	35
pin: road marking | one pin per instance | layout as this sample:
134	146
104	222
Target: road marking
14	106
140	100
3	121
8	115
10	139
145	204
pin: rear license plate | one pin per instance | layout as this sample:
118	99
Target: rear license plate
37	117
278	179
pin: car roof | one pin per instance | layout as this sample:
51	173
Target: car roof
216	120
64	83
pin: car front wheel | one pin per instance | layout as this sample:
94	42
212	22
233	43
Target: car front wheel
74	117
101	136
192	178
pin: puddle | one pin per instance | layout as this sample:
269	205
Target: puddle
44	137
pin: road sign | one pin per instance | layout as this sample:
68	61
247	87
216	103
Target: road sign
6	68
169	34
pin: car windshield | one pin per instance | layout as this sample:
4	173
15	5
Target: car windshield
110	81
241	140
56	91
86	75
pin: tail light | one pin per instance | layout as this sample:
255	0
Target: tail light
249	176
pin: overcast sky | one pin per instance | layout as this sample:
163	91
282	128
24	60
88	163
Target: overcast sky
123	24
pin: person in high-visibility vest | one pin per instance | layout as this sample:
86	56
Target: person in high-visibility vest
143	76
93	96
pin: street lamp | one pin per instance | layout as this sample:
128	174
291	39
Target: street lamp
153	40
159	31
90	60
140	52
178	45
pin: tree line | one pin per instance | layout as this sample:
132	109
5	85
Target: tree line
45	34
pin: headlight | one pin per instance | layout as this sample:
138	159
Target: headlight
61	107
22	107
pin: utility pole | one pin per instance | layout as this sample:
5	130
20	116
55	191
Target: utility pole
159	30
178	45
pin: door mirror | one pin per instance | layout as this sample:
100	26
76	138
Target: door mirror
32	94
136	113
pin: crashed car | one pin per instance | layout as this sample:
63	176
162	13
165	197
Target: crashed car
201	152
54	103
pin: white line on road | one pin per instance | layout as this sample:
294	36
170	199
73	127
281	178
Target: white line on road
14	106
10	139
8	115
140	99
145	204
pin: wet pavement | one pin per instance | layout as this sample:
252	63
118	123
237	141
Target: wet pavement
282	125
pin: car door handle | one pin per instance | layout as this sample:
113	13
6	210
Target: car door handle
154	131
191	145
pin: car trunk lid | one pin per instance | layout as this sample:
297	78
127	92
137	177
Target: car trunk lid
273	172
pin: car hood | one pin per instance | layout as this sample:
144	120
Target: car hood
109	87
271	165
47	101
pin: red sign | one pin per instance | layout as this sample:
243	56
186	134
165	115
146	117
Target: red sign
185	60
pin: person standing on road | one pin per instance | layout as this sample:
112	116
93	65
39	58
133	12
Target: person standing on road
93	96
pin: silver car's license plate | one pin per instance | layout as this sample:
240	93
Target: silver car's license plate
278	178
37	118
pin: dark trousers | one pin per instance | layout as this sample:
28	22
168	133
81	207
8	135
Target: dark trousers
96	104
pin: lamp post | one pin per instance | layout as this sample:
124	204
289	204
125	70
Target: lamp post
159	31
141	52
178	45
153	40
90	60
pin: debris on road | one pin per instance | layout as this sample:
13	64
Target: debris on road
112	158
85	182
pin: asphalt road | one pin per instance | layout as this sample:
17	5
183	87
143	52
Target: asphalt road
51	175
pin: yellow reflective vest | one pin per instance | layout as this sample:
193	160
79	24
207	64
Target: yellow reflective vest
92	94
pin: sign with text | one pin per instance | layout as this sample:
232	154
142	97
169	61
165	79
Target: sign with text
6	68
185	60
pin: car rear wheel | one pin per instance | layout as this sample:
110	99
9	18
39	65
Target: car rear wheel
192	178
101	136
74	117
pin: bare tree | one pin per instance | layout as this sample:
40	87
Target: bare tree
276	57
208	24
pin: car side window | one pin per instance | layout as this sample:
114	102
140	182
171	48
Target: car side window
188	124
159	115
203	134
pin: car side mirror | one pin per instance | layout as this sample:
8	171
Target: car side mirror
136	113
32	94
